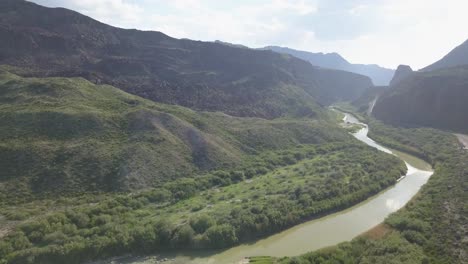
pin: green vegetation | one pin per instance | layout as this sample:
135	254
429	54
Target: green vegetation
261	260
68	136
431	227
215	211
134	176
210	180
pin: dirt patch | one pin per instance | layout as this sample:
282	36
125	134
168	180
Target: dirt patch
4	231
377	232
463	139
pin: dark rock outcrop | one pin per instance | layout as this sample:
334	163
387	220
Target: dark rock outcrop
401	73
432	99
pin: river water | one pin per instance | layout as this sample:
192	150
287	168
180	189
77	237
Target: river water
322	232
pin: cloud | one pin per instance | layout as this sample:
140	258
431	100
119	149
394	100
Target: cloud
300	7
185	4
115	12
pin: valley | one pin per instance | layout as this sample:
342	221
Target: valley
421	231
325	231
122	145
279	175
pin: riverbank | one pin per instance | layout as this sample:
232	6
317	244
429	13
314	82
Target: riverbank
308	182
331	229
429	229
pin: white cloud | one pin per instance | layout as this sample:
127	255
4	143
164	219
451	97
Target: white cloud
118	12
185	4
300	7
358	10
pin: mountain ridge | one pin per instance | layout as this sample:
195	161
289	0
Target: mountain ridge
430	98
456	57
379	75
434	96
200	75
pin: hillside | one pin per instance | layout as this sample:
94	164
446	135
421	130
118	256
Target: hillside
433	99
208	76
366	102
91	172
456	57
69	135
379	75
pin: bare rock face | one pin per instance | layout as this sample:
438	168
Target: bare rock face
430	99
401	73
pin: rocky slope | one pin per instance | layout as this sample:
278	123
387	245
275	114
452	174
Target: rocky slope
401	73
209	76
67	135
433	99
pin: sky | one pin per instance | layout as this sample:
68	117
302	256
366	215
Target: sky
384	32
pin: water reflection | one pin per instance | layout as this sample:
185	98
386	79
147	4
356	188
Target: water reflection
392	204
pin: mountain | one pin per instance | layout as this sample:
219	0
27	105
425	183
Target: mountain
68	135
456	57
401	73
434	96
209	76
433	99
231	44
379	75
325	60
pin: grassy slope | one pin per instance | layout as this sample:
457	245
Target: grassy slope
61	135
429	229
68	134
216	179
310	181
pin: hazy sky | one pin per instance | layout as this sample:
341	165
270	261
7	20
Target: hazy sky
385	32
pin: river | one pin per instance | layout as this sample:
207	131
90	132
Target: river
322	232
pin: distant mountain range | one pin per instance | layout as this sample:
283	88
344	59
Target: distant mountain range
379	75
209	76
